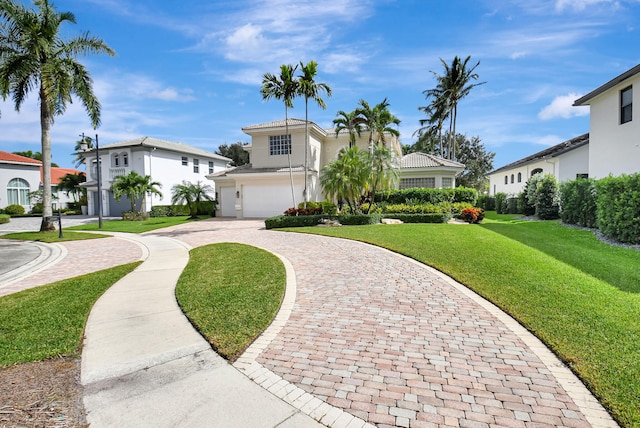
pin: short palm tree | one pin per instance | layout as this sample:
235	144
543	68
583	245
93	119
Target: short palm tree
309	89
384	171
191	194
285	88
347	121
70	184
345	179
135	186
33	55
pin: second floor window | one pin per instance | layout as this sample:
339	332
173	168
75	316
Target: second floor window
185	162
125	159
196	165
210	167
279	145
626	105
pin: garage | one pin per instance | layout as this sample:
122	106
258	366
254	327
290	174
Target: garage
228	201
261	201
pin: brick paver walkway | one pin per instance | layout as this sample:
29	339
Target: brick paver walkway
394	343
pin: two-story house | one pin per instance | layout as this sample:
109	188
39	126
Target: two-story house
168	163
263	188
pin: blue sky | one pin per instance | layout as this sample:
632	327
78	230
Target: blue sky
191	70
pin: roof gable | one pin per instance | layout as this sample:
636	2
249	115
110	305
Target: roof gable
425	160
149	142
610	84
280	124
6	157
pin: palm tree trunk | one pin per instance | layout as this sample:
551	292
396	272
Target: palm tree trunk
306	148
45	141
290	148
455	117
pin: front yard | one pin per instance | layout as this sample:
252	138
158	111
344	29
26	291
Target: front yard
577	294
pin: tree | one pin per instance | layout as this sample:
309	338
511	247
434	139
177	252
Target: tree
452	86
134	186
347	121
309	89
191	194
477	160
70	185
345	179
235	152
285	88
32	155
384	173
79	160
429	134
377	120
34	55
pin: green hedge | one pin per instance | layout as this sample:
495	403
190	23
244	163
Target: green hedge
5	218
428	196
578	202
168	210
618	207
486	202
420	218
292	221
14	210
359	219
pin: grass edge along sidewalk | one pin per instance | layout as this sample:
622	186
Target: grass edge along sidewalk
591	324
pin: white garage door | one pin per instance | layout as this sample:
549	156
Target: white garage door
228	201
265	200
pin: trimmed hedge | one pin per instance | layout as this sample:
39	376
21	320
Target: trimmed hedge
429	196
501	203
5	218
578	202
359	219
292	221
420	218
14	210
169	210
486	202
618	207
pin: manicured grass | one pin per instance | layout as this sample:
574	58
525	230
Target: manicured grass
48	321
52	236
580	296
231	293
136	226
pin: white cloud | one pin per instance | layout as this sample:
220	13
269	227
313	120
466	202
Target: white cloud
579	5
562	107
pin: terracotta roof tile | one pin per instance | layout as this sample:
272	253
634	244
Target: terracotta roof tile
7	157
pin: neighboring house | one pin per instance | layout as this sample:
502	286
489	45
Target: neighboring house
566	161
19	175
166	162
61	199
262	188
614	127
425	170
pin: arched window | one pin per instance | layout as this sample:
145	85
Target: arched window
125	159
18	192
519	177
511	178
536	171
506	179
115	160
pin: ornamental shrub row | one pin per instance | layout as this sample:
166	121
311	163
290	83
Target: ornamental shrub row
578	201
618	207
353	219
429	196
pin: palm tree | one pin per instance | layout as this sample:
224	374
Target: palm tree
34	55
347	121
377	120
134	186
345	179
384	171
70	185
430	131
309	89
191	194
285	88
452	86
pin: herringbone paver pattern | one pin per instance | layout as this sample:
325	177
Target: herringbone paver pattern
393	343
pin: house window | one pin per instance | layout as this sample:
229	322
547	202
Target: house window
210	167
115	160
512	179
536	171
626	105
185	161
447	182
279	145
18	192
125	159
506	179
410	183
196	165
519	177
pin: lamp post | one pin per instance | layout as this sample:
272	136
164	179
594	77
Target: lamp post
84	146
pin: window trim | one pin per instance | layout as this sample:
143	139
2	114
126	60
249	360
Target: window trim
626	107
211	167
18	190
196	166
277	145
185	161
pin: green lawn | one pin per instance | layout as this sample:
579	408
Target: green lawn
231	293
52	236
580	296
136	226
48	321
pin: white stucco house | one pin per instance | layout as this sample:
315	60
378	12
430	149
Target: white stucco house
262	188
20	175
167	162
614	127
566	161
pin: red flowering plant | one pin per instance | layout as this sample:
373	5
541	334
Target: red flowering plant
303	211
472	215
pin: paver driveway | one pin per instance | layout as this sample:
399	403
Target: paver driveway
397	344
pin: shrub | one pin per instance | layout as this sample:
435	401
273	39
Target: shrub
547	199
472	215
292	221
501	203
303	211
134	216
429	196
618	202
14	210
169	210
5	218
37	208
578	202
420	218
359	219
486	202
512	206
207	208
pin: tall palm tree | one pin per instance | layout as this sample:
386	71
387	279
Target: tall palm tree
378	120
430	131
34	55
191	194
285	88
452	86
309	89
134	186
347	121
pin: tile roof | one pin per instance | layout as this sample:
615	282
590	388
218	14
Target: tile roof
610	84
275	124
249	169
58	173
424	160
6	157
551	152
151	142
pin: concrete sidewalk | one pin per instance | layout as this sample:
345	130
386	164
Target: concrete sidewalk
143	364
